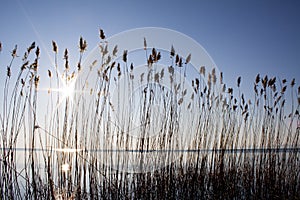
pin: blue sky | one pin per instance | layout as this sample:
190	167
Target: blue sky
243	37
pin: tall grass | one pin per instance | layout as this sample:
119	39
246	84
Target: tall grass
173	138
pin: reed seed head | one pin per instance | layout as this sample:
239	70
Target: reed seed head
221	77
36	81
37	52
24	65
171	70
202	70
49	73
284	81
115	50
239	81
101	34
54	46
82	44
14	52
125	55
293	82
257	79
66	56
145	44
283	89
172	53
188	59
8	72
32	46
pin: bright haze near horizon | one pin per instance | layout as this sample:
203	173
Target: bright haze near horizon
243	38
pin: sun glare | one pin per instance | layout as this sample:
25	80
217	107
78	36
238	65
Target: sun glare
68	150
65	167
68	90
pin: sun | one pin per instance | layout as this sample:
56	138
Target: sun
65	92
68	90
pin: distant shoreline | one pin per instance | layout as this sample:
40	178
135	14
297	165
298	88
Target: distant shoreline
235	150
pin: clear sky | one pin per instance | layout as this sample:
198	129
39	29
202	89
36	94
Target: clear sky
243	37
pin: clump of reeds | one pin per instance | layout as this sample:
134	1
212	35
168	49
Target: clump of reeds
195	139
